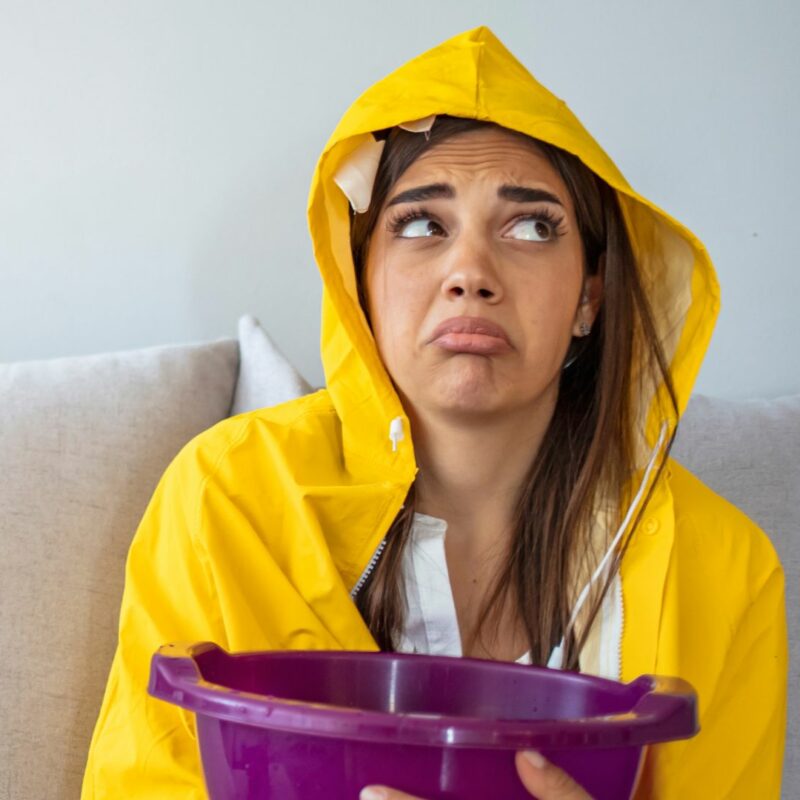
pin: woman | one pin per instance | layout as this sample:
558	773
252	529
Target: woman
510	334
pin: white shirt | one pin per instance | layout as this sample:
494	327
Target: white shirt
432	623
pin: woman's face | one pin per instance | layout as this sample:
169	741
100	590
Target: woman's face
475	279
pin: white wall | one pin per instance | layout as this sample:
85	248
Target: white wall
155	157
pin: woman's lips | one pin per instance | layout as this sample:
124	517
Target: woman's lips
471	335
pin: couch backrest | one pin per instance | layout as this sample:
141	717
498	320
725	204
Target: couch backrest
748	451
83	442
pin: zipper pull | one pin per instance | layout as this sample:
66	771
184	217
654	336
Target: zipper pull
396	433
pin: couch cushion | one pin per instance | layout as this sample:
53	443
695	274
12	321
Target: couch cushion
748	451
266	377
84	442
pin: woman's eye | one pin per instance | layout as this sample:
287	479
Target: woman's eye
417	228
534	230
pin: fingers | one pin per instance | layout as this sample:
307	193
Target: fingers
384	793
546	781
541	778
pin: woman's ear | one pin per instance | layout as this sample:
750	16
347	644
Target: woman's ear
591	299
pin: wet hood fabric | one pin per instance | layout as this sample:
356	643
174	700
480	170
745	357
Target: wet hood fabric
473	75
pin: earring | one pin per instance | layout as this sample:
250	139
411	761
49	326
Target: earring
585	328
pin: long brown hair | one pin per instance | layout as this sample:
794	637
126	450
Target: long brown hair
588	449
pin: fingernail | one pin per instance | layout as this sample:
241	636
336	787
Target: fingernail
534	758
372	793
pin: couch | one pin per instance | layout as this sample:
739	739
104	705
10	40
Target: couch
83	442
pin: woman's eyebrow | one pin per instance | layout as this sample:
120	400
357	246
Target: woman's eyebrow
428	192
525	194
432	191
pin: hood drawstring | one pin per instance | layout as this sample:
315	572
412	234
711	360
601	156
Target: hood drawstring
556	657
396	433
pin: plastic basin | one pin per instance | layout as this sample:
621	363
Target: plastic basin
296	725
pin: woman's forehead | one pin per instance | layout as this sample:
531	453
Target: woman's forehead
491	157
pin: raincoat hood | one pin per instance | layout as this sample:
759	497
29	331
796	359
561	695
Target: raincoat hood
473	75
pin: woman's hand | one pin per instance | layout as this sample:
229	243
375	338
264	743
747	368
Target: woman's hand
541	778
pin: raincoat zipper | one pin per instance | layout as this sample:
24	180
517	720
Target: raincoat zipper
556	657
366	573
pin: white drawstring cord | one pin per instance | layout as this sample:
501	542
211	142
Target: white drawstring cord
555	660
396	432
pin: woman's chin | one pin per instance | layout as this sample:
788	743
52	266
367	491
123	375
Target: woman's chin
474	391
468	396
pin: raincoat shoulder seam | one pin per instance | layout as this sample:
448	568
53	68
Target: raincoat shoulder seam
213	470
244	426
311	412
317	409
730	520
714	504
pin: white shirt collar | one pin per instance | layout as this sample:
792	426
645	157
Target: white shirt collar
431	620
432	623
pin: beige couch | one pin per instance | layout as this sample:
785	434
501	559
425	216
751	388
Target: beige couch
83	442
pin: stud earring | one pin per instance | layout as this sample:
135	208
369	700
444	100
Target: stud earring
585	328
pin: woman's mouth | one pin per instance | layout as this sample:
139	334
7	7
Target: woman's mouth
471	335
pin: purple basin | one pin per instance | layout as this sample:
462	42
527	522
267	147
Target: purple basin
303	725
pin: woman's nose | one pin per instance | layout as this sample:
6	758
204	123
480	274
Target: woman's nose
472	273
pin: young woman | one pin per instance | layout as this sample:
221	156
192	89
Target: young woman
510	334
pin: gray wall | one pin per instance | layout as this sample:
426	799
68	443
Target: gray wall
155	157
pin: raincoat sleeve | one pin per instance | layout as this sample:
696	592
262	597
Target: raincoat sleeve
738	753
143	747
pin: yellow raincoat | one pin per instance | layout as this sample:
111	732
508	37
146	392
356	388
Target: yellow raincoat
262	525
